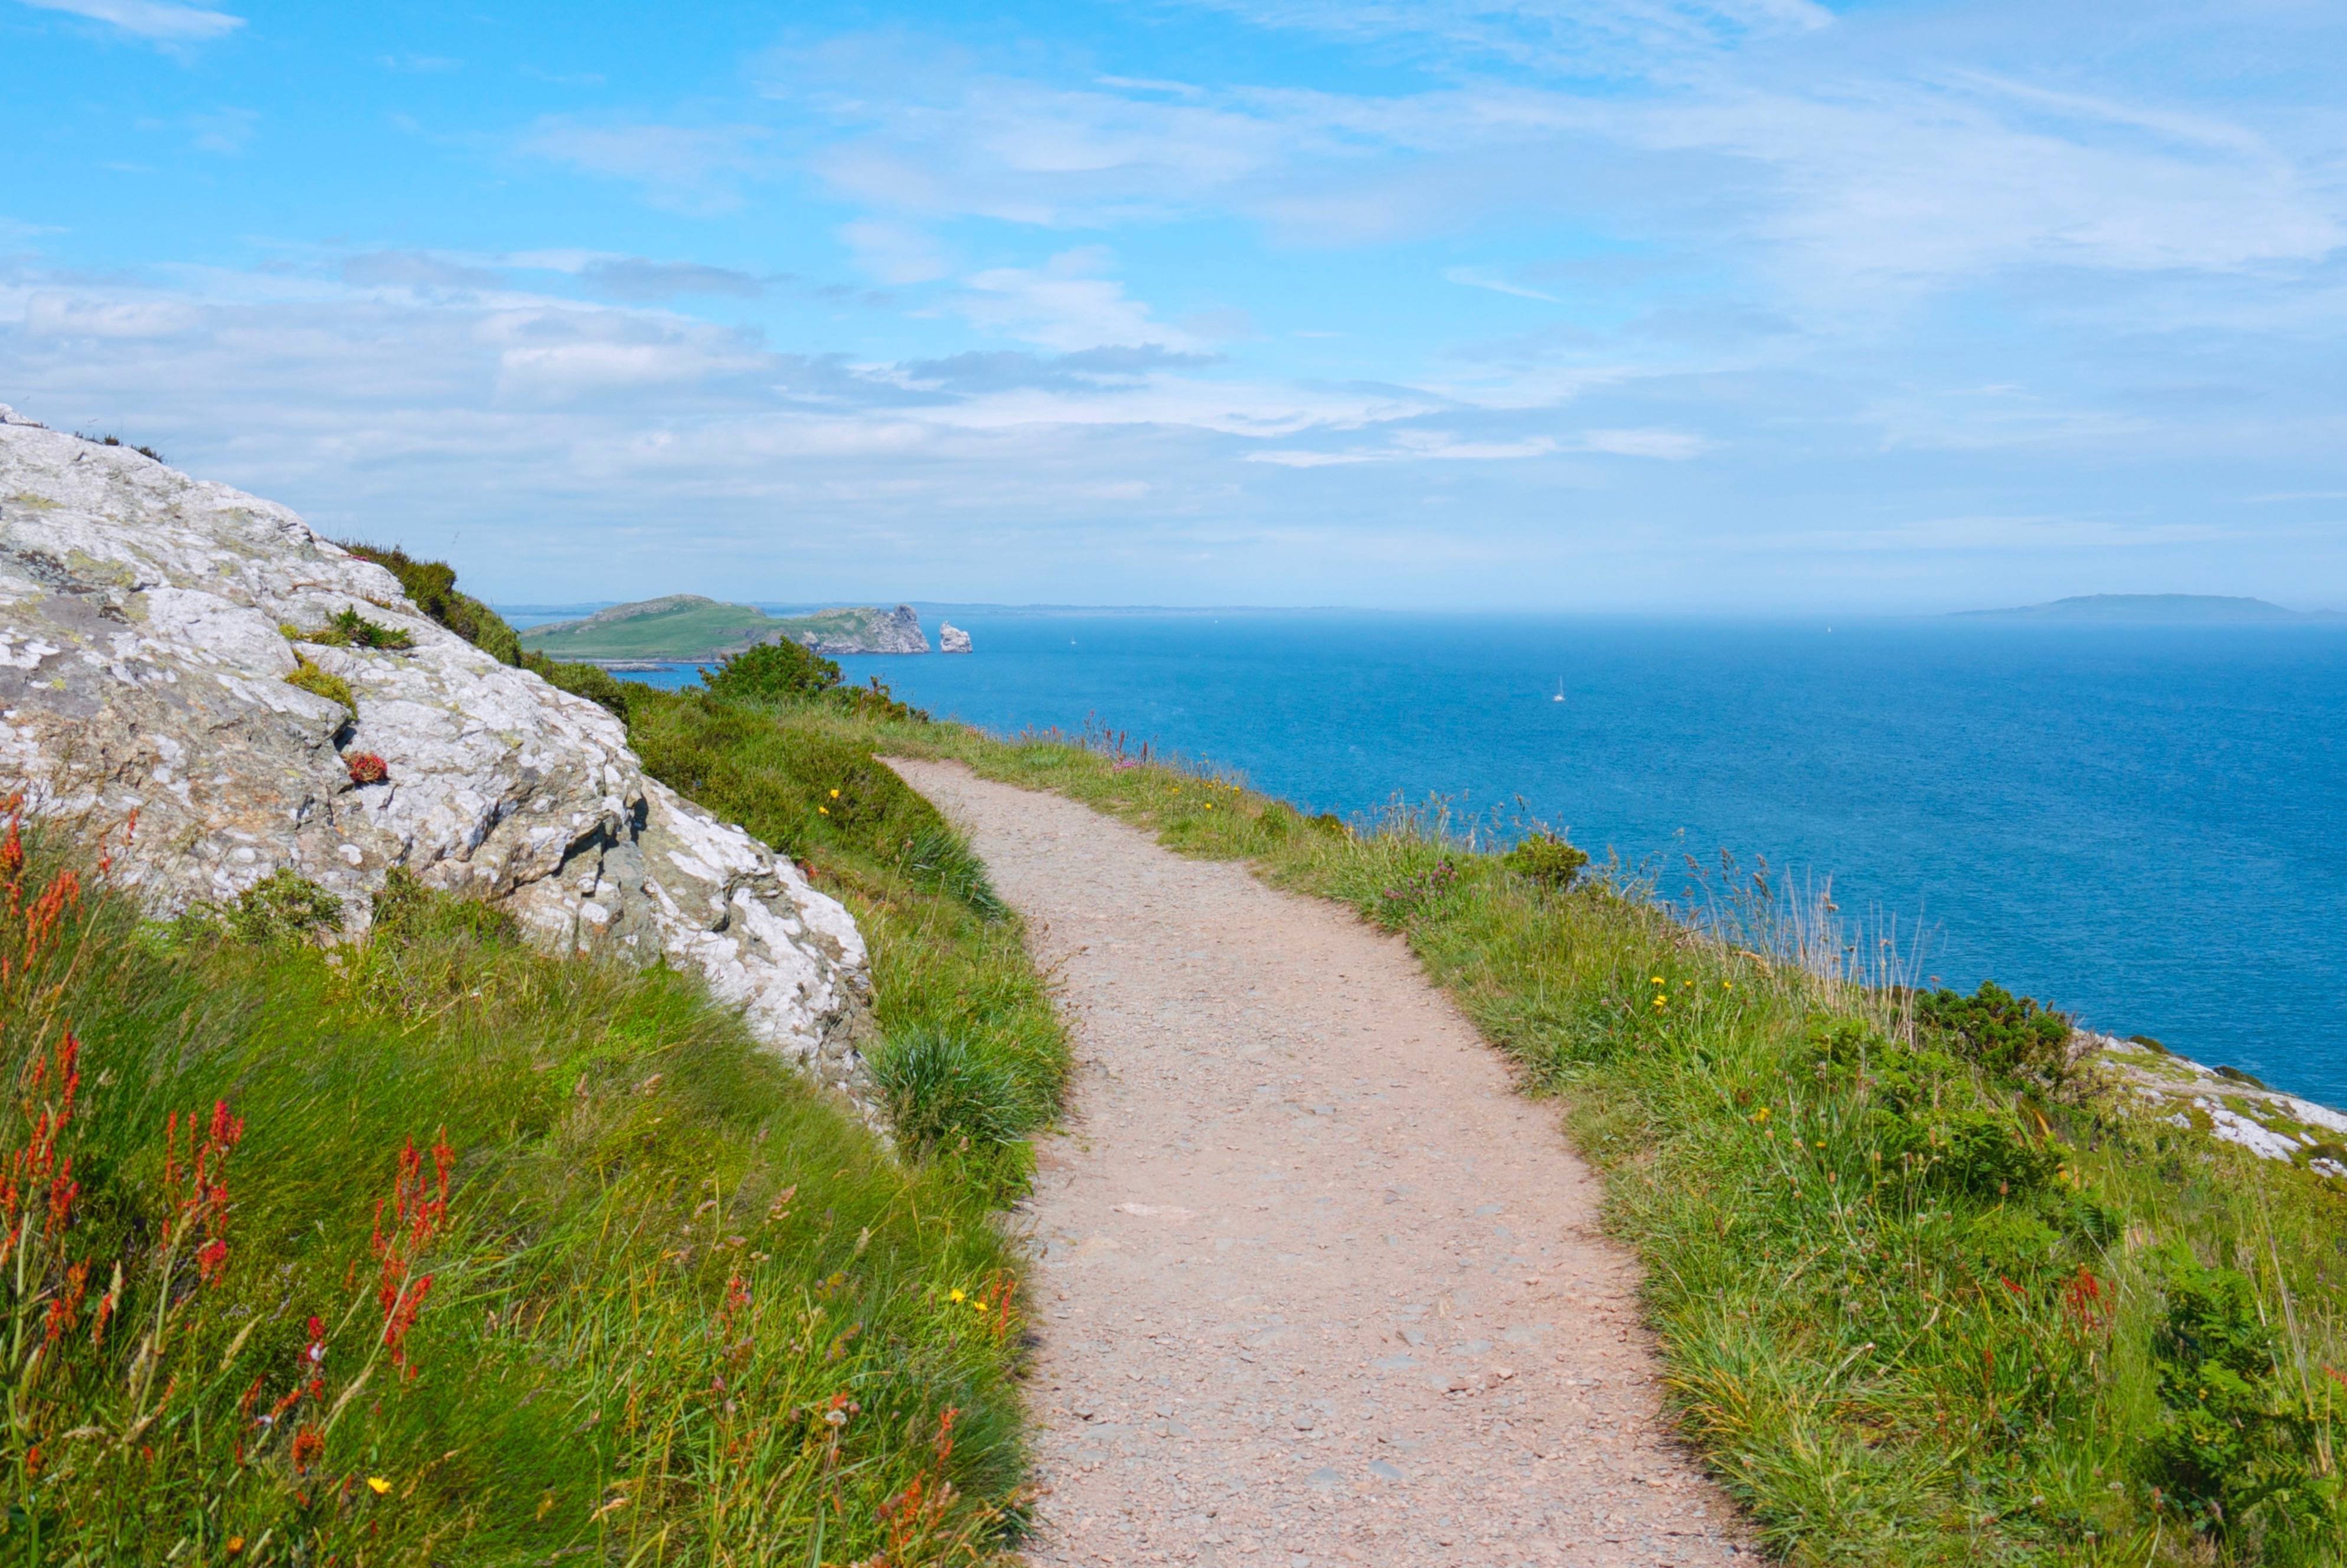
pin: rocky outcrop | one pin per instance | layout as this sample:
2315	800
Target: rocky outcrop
952	638
144	657
898	631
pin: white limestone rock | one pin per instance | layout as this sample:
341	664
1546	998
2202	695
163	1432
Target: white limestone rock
143	669
952	638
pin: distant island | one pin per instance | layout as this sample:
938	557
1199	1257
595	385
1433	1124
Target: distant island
680	628
2158	609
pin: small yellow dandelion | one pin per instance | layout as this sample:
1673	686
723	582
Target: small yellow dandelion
1210	805
977	1305
1761	1115
957	1296
825	810
1660	981
379	1485
1727	985
834	795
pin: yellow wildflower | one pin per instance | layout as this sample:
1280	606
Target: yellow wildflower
825	810
1761	1115
379	1485
957	1296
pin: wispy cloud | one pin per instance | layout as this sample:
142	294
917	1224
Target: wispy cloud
687	169
894	253
1676	445
1475	278
1066	304
159	21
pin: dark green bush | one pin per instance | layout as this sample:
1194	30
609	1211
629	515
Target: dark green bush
2003	1033
431	586
2235	1447
1547	859
591	681
771	673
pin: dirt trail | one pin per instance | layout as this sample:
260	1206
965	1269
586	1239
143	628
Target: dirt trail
1315	1284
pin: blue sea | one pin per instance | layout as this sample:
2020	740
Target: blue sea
2145	827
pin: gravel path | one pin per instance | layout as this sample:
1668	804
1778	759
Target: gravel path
1315	1284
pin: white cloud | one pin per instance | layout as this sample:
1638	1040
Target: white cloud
158	20
894	253
1065	305
689	168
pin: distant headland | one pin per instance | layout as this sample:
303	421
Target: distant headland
2159	609
680	628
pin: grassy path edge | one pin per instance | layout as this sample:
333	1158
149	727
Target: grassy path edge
2050	1328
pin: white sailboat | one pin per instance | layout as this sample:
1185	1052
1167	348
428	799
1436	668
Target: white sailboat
1559	691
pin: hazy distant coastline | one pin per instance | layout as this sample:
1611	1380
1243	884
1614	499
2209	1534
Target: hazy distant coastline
2158	609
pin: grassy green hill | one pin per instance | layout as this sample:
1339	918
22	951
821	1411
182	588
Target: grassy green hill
684	626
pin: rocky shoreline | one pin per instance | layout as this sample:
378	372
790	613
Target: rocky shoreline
2227	1104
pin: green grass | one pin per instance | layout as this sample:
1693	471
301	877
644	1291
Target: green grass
952	979
1921	1296
676	1307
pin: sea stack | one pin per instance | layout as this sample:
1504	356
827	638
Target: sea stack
952	638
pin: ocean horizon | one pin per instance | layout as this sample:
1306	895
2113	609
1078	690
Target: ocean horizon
2138	825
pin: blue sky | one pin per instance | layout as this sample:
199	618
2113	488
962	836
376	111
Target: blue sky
1749	305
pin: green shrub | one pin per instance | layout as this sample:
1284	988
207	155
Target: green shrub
943	1095
346	628
431	586
283	907
323	683
1981	1151
1546	860
406	910
591	681
2004	1033
771	673
2237	1445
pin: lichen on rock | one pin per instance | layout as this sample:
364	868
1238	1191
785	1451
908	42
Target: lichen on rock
144	669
